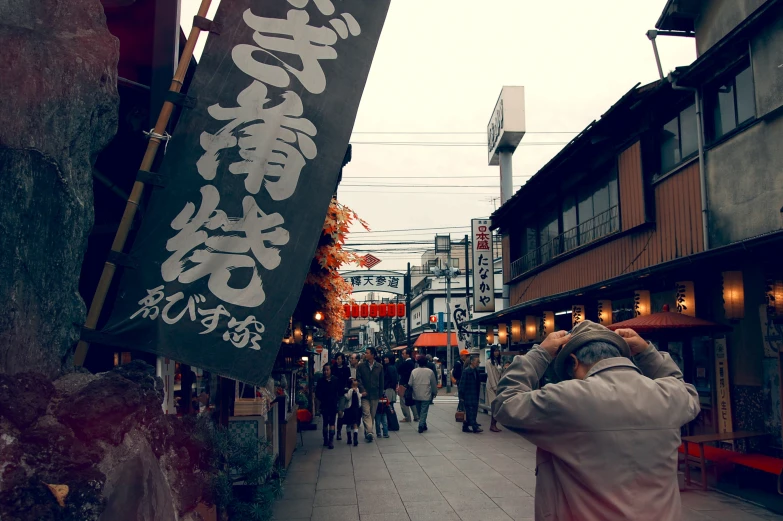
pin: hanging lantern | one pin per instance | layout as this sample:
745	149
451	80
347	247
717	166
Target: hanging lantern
400	310
516	332
490	336
383	310
365	311
391	310
373	310
346	311
355	311
502	334
641	302
298	335
733	295
577	314
775	297
309	338
605	312
685	298
549	322
531	329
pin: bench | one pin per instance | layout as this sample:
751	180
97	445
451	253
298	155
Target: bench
761	462
764	463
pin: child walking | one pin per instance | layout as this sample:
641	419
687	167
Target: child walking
328	392
353	411
381	421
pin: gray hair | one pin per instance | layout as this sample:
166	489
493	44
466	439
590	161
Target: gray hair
592	353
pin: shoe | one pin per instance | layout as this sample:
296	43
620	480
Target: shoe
494	428
477	430
465	428
426	428
377	434
385	435
355	439
348	436
326	441
339	435
421	429
331	441
405	420
369	438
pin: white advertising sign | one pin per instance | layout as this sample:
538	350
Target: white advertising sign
483	267
506	127
375	280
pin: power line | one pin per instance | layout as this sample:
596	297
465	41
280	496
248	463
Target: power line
373	185
448	144
457	133
418	229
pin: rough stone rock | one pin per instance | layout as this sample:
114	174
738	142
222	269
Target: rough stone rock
58	109
136	488
24	397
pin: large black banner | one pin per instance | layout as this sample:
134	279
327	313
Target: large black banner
224	248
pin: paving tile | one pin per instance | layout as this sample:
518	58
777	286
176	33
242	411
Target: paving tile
517	507
295	478
334	483
430	506
335	497
395	516
487	514
381	504
372	488
292	508
301	491
463	502
335	513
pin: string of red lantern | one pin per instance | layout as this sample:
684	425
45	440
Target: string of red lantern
373	310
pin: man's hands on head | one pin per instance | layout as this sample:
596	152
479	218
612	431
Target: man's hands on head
554	341
636	343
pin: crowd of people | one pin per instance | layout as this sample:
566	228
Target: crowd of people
363	391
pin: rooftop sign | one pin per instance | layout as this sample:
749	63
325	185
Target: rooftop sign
507	124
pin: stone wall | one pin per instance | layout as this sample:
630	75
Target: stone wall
58	109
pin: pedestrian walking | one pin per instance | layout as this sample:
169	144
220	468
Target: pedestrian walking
431	365
328	390
494	369
456	376
342	373
370	376
353	412
605	405
425	389
406	368
391	379
381	420
469	391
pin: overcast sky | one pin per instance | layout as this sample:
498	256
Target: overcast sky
439	68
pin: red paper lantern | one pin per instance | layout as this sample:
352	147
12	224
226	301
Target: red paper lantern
392	310
400	310
383	310
373	310
365	310
347	311
355	310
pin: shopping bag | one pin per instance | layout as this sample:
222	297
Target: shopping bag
459	416
391	418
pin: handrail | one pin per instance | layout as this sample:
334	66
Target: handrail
603	224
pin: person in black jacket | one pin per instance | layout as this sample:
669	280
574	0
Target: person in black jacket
456	375
342	373
405	370
390	379
328	391
469	390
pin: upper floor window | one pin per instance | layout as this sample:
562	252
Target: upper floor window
679	140
730	101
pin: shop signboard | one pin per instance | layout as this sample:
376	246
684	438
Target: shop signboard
723	392
376	280
225	246
506	127
483	267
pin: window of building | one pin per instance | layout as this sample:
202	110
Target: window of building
730	102
679	139
455	262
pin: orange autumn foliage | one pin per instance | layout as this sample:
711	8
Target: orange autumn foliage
331	257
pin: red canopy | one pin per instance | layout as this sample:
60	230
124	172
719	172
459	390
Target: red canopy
435	340
666	321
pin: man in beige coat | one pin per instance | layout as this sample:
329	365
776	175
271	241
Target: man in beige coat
608	433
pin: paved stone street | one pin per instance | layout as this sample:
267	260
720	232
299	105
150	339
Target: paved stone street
441	475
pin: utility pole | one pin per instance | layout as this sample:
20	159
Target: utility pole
408	283
448	321
467	280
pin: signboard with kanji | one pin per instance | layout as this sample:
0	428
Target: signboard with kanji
722	380
483	267
374	280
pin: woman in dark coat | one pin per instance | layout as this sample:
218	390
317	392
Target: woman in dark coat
328	391
390	379
342	372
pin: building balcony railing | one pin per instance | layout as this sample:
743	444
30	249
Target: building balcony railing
601	225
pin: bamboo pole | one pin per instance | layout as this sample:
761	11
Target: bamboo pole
138	187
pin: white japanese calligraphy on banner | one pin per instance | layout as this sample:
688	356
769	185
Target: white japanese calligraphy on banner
275	142
723	393
483	267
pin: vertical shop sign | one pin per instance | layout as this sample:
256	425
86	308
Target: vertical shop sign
722	381
483	267
225	246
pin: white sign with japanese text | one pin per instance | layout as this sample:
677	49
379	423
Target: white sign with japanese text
723	393
375	280
483	267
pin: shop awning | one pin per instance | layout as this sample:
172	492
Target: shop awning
435	340
667	321
399	348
